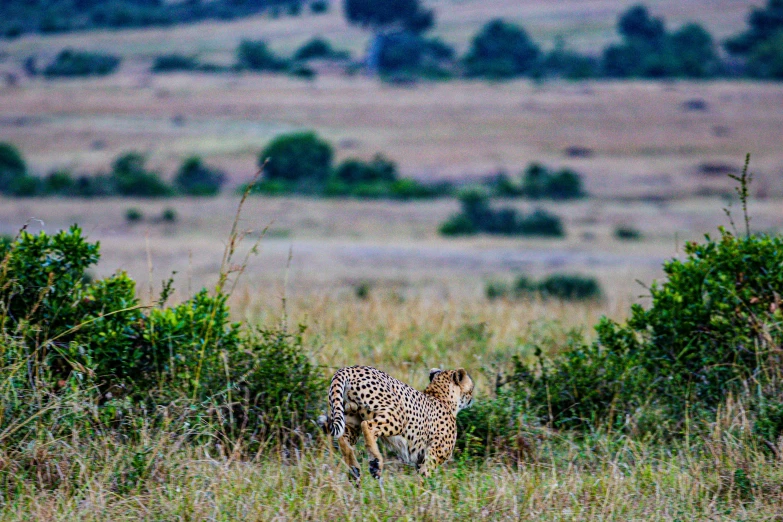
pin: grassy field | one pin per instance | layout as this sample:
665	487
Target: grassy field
718	474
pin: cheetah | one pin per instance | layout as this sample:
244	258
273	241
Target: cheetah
420	426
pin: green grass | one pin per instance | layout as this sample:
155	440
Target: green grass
601	477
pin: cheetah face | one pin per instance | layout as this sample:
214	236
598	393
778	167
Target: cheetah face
455	384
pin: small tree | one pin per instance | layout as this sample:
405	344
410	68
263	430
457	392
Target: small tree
12	166
297	157
765	24
501	50
384	16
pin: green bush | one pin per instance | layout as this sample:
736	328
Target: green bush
72	335
133	215
194	178
766	59
563	63
352	170
538	182
409	52
712	328
70	62
130	178
566	287
319	6
174	63
169	215
648	51
300	157
765	25
478	216
626	233
569	287
12	166
60	182
256	56
501	50
318	48
458	225
492	425
279	389
25	186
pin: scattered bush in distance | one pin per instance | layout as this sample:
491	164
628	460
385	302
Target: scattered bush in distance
255	55
60	182
195	178
131	178
133	215
501	50
71	62
627	233
174	63
12	166
477	216
565	287
300	158
319	48
169	215
319	6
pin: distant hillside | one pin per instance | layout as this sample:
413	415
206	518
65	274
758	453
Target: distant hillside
58	16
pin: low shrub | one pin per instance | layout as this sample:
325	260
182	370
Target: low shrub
12	166
627	233
478	216
169	215
194	178
539	183
569	287
70	62
174	63
133	215
278	388
712	329
25	186
256	56
60	182
301	157
319	6
130	178
491	426
566	287
410	54
73	336
319	48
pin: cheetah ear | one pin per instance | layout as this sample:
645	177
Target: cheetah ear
459	376
434	372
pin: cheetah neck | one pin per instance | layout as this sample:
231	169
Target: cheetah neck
449	404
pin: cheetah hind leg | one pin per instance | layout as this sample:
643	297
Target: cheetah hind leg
371	431
346	443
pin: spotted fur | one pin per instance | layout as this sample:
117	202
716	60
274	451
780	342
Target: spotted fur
420	426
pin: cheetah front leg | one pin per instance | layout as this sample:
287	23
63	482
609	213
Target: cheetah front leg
432	460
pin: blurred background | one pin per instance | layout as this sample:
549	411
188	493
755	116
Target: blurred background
440	149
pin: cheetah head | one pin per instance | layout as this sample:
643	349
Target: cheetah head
454	386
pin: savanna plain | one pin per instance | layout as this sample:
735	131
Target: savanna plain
372	282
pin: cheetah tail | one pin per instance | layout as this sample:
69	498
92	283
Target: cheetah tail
336	401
